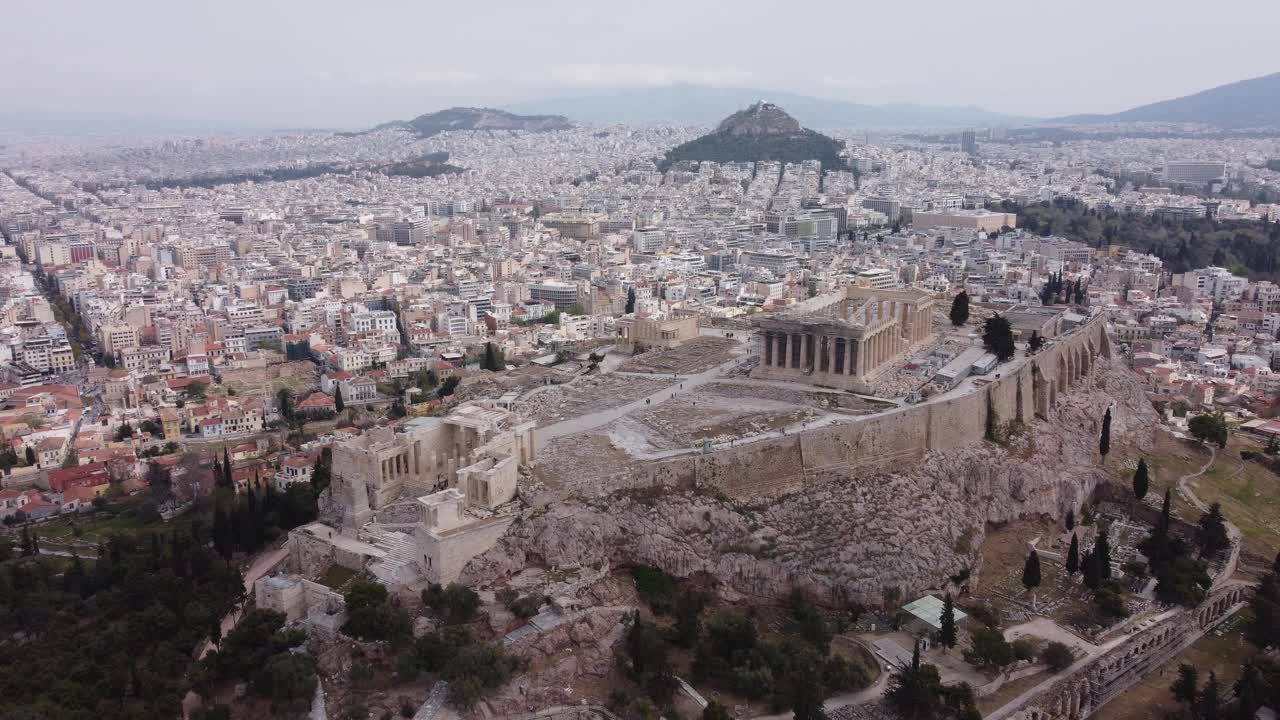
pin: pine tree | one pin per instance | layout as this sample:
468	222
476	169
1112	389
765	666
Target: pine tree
1035	342
960	309
1031	571
1104	441
337	399
1140	480
1073	555
26	541
948	634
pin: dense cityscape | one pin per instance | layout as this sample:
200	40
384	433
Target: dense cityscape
483	414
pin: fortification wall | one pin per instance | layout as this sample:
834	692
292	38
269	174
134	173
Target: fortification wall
1020	390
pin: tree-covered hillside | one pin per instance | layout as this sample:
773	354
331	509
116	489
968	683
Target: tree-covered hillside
761	132
111	636
1246	248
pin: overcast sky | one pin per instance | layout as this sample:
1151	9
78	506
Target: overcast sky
330	63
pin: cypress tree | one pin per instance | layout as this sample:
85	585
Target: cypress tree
337	399
1104	442
1162	525
948	634
960	309
1071	519
1102	551
997	337
1031	571
1209	706
1089	571
1141	481
1073	555
223	535
631	301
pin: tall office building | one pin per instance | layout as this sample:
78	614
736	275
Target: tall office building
969	142
1191	171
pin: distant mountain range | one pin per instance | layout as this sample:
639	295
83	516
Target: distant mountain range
470	118
697	105
763	131
1248	103
90	123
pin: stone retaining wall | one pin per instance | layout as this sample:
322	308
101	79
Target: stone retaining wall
1021	390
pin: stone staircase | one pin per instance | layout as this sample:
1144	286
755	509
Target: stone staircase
399	566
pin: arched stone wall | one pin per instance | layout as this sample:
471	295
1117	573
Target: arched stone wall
1091	686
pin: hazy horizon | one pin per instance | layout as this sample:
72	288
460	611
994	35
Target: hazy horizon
322	64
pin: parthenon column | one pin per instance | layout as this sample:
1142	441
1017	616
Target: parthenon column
850	346
804	350
831	354
786	350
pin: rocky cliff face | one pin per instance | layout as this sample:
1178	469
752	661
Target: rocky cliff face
844	537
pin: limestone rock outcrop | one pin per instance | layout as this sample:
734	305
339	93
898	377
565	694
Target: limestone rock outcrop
843	537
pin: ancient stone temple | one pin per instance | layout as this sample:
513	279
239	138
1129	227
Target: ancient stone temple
843	339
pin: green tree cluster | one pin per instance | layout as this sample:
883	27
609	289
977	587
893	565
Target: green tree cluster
1210	427
371	614
469	666
916	692
112	637
455	603
1180	578
1245	247
259	650
795	672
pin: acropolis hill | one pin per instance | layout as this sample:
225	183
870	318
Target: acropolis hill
897	496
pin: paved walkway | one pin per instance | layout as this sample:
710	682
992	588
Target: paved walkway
1185	490
583	423
264	564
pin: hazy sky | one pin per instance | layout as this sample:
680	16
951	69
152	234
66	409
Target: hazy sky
329	63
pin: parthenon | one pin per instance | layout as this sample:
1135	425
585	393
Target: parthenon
843	339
